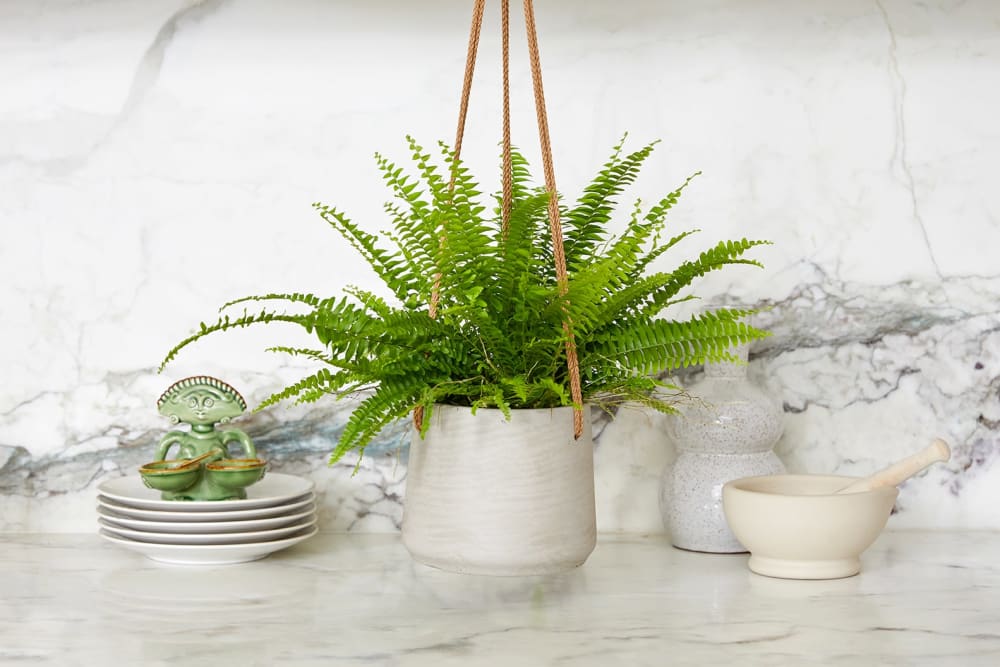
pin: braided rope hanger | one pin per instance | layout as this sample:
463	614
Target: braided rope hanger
555	226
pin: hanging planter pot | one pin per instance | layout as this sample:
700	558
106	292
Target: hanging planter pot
485	495
528	312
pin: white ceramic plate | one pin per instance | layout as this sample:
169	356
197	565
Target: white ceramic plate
115	518
208	554
274	489
208	538
232	515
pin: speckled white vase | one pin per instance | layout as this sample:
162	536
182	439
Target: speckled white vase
489	496
728	430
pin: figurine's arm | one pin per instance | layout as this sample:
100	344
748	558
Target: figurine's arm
236	435
169	440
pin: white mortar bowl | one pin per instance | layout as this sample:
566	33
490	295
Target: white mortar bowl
796	527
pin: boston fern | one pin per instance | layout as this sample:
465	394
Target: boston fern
497	339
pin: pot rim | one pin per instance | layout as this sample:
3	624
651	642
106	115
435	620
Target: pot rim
512	409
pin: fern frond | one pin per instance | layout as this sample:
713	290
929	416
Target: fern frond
317	355
319	383
226	322
642	390
394	399
658	250
375	304
724	254
657	346
305	299
585	224
391	268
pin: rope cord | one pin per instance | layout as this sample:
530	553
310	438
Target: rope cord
554	223
507	176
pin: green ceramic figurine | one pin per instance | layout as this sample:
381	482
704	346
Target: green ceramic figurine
202	469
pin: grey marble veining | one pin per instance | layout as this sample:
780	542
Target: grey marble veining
158	159
922	598
928	350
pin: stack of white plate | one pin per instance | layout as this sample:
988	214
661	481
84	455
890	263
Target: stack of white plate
279	511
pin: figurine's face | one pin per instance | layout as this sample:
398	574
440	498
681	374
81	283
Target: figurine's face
201	405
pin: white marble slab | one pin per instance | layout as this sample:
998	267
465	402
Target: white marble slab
921	599
159	158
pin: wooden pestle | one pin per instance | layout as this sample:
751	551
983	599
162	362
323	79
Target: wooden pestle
902	470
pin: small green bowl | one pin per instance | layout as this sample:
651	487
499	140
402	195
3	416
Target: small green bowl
171	475
235	473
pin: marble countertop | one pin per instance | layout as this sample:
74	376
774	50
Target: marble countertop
346	599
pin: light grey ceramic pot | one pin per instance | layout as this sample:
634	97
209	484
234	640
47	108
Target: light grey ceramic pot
728	430
487	495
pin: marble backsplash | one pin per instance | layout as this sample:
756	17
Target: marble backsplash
158	159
